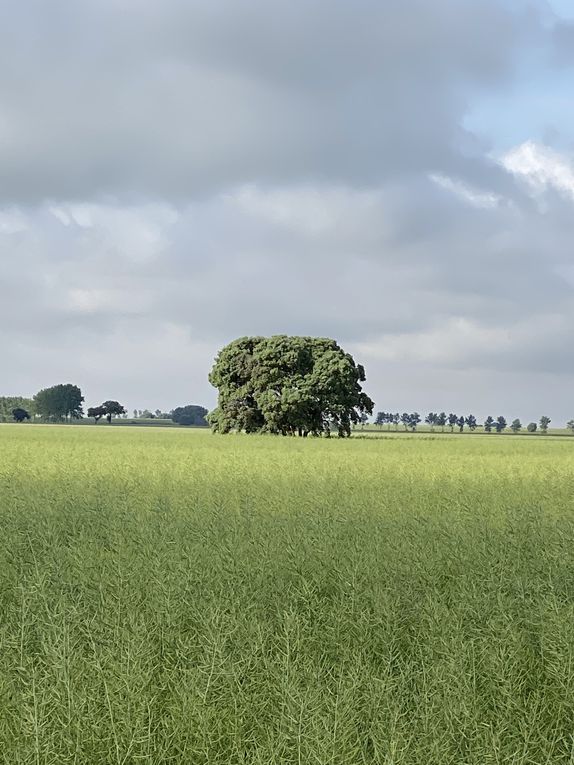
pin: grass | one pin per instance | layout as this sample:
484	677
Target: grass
168	596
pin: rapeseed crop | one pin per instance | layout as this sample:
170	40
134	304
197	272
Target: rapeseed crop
169	596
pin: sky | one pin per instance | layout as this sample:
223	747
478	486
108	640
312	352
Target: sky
394	174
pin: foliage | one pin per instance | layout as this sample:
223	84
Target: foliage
388	419
97	412
570	425
287	385
544	423
410	420
488	424
264	601
531	427
471	422
20	414
415	420
500	424
190	415
113	409
515	426
108	409
9	403
441	420
59	402
452	421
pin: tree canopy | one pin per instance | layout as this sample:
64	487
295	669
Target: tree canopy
287	385
113	409
20	414
59	402
190	415
97	412
108	410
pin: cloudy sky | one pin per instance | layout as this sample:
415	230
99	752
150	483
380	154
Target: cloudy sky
396	174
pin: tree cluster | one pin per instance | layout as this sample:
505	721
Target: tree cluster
65	402
147	414
190	415
287	385
60	402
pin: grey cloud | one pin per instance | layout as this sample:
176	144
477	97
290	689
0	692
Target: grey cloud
185	98
176	174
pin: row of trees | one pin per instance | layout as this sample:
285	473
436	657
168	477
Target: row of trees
183	415
410	421
65	402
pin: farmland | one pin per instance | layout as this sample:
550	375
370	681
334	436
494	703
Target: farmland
171	596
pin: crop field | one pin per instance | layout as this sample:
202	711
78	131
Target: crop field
170	596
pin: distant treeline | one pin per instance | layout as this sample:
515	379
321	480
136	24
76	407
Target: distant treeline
442	420
65	403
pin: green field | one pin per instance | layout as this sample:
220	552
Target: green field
169	596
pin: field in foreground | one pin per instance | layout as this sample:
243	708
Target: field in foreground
169	596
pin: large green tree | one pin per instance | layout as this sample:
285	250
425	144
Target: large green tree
287	385
59	402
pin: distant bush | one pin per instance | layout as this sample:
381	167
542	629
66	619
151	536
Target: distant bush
190	415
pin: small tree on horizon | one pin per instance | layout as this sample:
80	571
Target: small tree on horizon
500	424
414	420
97	412
452	421
570	425
113	409
488	424
20	414
532	427
431	419
544	423
471	422
441	420
515	426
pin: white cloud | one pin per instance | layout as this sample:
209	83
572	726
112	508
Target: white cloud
541	167
465	192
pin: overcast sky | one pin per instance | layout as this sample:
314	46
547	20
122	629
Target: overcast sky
395	174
